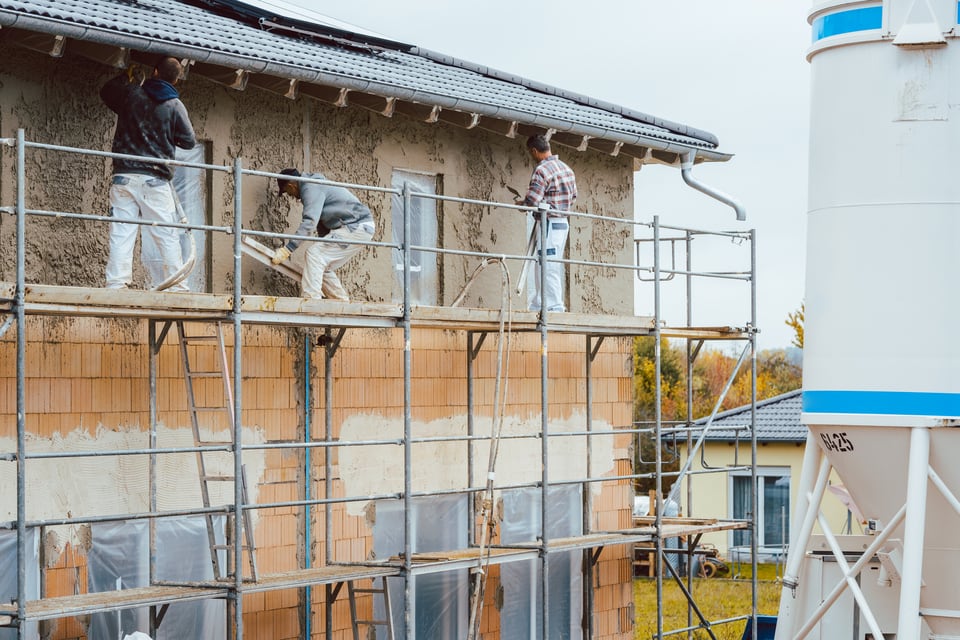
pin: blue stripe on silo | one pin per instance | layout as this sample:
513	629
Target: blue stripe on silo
834	24
901	403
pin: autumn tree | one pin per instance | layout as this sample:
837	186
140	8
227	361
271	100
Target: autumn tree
712	370
795	321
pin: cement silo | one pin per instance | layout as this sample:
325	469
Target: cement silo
881	355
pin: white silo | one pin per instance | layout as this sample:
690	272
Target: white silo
881	354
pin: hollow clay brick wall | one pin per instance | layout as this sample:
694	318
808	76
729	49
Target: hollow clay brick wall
92	374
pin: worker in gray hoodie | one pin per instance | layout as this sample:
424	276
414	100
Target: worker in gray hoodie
151	121
330	212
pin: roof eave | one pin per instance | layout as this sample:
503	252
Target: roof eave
670	151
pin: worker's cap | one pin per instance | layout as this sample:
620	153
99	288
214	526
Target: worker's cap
281	183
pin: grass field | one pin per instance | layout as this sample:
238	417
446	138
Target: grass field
717	598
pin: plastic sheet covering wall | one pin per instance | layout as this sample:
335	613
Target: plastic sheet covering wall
440	600
8	576
122	550
190	185
424	283
522	615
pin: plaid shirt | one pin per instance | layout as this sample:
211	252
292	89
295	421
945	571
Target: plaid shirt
553	183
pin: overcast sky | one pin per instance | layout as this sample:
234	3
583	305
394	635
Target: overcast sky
734	68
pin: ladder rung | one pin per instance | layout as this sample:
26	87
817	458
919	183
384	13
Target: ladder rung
199	338
207	409
218	478
212	443
372	622
204	374
356	590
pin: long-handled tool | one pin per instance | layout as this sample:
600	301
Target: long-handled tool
531	247
538	215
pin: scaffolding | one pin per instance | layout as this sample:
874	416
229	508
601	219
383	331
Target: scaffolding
163	311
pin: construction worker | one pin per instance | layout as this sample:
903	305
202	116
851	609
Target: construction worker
330	212
151	121
554	185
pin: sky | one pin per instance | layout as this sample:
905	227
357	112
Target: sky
735	68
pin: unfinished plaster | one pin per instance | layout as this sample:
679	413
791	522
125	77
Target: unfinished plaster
103	485
439	466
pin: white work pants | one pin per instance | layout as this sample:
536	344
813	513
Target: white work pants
134	196
324	258
557	230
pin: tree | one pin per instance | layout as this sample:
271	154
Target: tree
712	370
795	321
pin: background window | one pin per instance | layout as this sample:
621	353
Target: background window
773	519
424	280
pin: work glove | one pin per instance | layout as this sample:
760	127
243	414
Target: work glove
280	255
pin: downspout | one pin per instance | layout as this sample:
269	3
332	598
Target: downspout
686	170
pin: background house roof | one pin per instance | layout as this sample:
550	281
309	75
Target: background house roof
778	420
241	45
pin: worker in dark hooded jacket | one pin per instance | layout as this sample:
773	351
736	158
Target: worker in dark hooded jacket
151	121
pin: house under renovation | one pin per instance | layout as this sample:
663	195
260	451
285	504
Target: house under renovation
429	460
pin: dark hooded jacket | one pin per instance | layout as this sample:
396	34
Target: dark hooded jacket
151	121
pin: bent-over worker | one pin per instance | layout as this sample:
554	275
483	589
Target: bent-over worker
331	212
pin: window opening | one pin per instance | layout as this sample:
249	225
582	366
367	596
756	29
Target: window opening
424	232
121	551
440	600
8	577
192	190
522	616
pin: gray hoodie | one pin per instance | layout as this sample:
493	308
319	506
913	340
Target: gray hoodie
326	207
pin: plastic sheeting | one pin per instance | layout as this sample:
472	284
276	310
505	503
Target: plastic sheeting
440	600
122	550
190	185
8	577
423	232
522	615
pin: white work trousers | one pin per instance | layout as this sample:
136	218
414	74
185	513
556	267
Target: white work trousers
557	230
134	196
324	258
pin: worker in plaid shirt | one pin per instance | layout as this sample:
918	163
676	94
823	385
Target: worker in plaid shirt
554	185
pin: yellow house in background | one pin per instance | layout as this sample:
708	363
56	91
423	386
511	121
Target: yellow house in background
725	494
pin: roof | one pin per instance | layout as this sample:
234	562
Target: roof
241	45
778	420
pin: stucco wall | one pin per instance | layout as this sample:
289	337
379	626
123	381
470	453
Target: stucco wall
56	101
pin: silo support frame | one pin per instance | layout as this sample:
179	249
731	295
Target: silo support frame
849	574
911	573
911	515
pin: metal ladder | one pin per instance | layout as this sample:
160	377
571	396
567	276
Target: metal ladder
384	590
220	370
